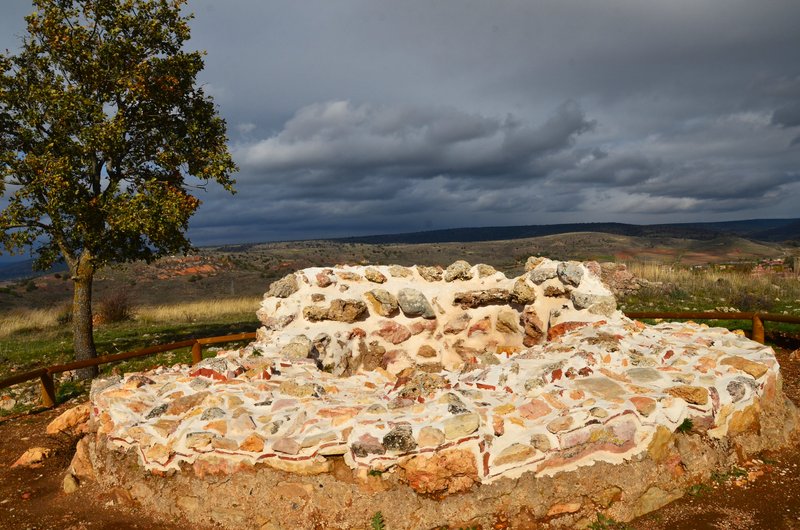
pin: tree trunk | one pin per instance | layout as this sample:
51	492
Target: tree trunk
82	329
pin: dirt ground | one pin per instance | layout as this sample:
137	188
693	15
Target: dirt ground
764	495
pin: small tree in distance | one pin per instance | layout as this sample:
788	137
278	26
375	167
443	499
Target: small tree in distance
104	135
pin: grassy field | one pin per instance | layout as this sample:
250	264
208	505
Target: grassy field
687	289
34	338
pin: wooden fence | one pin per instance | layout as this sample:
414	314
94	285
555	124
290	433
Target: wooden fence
757	318
49	390
45	375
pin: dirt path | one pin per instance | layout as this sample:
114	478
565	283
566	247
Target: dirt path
766	497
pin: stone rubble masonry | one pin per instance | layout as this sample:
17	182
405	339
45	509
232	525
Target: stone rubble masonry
441	381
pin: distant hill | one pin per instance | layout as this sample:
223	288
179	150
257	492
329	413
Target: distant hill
24	269
689	237
771	230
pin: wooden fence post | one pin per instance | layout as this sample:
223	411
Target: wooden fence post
758	328
48	390
197	352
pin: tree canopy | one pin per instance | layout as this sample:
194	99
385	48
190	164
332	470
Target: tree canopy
105	135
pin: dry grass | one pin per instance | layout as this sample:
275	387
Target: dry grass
736	288
28	320
44	319
195	311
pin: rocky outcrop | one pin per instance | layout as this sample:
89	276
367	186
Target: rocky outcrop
456	380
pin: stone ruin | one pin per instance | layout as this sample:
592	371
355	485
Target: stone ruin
439	397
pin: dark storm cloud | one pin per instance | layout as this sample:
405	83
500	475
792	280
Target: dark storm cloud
367	116
340	142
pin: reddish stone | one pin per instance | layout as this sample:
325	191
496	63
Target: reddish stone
450	471
534	409
357	332
393	332
208	372
559	330
644	405
423	325
323	280
482	326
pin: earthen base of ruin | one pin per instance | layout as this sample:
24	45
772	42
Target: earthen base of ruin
262	497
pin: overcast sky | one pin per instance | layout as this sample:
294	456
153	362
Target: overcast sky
352	117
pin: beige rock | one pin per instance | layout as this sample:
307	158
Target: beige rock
457	324
199	441
400	272
72	421
645	405
430	437
746	420
382	302
188	503
461	425
33	457
532	262
450	471
312	466
430	274
507	321
286	445
601	387
480	298
69	484
460	270
426	351
653	499
523	293
182	404
294	490
81	465
315	313
560	424
156	453
253	444
608	496
690	394
485	270
745	365
514	453
346	310
374	275
297	348
226	444
284	287
562	508
165	427
661	444
540	442
349	275
291	388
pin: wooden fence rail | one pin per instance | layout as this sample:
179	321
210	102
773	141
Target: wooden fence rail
46	374
757	318
49	390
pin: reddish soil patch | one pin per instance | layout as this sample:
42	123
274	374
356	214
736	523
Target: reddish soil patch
768	499
33	498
